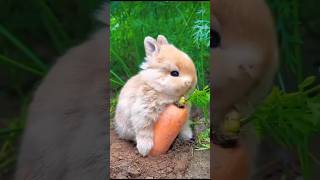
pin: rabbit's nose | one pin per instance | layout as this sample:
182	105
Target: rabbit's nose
187	83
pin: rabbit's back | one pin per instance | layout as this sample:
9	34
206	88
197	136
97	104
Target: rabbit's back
127	98
65	134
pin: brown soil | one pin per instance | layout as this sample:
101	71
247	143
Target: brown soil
199	167
126	162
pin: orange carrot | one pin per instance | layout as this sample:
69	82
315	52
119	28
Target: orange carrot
230	163
167	128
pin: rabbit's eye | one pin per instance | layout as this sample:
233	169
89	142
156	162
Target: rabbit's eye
215	39
174	73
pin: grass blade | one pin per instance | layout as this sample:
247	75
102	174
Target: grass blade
23	48
20	66
114	74
54	28
125	67
117	82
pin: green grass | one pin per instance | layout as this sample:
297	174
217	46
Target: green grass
8	139
288	22
203	140
185	24
291	118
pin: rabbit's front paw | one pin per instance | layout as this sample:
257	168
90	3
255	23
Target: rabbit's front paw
186	134
144	145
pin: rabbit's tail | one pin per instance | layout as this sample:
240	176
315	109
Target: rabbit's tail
102	13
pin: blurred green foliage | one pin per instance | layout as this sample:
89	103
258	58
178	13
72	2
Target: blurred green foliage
288	23
33	33
292	119
290	116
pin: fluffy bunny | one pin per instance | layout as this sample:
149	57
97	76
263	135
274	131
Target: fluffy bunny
166	74
246	58
66	130
244	61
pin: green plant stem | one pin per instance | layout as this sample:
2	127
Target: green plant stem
282	85
115	75
245	121
303	151
116	82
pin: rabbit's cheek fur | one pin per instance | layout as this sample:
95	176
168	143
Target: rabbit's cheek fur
154	78
162	82
177	86
244	63
238	67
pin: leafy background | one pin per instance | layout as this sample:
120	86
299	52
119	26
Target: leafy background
289	117
186	25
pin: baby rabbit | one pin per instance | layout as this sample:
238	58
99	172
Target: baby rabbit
244	61
65	136
165	76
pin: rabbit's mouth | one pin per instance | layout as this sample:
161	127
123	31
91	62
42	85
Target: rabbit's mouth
181	102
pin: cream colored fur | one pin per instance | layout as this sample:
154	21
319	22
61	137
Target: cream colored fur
245	63
146	94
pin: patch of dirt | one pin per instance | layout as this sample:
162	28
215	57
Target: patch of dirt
126	162
199	165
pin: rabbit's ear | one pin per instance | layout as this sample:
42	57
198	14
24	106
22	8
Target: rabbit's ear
150	46
162	40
